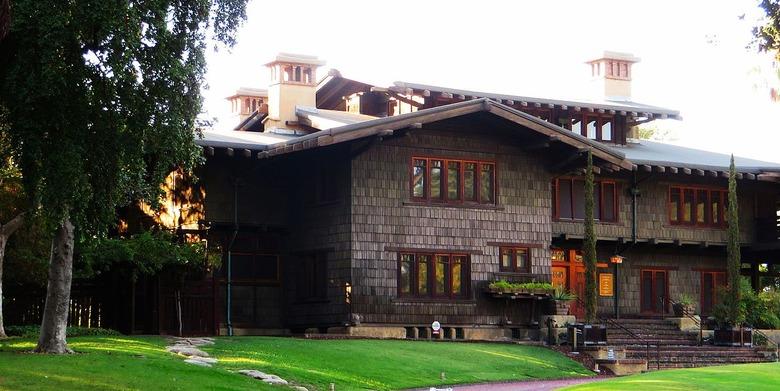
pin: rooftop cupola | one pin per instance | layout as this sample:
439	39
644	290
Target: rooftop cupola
245	101
293	83
611	75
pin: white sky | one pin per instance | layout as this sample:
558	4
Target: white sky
694	55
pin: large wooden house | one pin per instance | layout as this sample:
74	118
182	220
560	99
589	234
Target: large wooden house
342	206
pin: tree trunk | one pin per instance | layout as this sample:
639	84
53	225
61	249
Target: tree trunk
55	313
5	232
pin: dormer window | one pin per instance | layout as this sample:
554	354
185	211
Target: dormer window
590	126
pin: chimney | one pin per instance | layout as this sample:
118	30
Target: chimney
611	75
293	83
246	101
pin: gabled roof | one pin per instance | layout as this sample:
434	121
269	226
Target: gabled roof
322	119
386	126
645	152
619	106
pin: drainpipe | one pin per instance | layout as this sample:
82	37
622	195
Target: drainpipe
229	280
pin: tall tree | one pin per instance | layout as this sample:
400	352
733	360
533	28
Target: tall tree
11	202
102	98
736	313
589	245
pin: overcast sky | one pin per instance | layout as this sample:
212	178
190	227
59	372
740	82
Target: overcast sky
693	55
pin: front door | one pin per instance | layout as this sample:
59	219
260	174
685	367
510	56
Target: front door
654	291
559	277
710	281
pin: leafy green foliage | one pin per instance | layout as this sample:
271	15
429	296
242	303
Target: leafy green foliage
685	299
515	287
768	35
589	245
102	99
32	331
760	310
561	294
146	253
733	251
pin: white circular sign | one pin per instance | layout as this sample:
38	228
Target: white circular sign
436	326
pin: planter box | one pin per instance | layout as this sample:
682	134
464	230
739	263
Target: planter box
561	308
731	337
588	334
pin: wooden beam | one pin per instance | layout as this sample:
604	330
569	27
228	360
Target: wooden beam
537	105
712	173
724	174
612	112
601	111
750	176
686	171
550	106
446	95
673	170
590	109
623	113
229	151
524	104
416	125
698	172
564	107
509	102
246	153
596	170
461	97
645	168
660	169
426	93
208	151
577	108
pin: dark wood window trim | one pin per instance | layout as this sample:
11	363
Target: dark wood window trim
602	204
312	286
425	195
514	255
600	120
414	265
711	194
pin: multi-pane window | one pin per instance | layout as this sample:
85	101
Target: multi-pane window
313	277
695	206
515	260
590	126
569	199
433	275
453	181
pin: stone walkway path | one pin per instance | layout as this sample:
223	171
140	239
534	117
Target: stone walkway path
190	349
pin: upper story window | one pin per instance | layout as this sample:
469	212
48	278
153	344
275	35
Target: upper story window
696	206
569	199
433	275
453	181
515	260
590	126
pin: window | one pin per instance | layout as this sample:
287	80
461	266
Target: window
515	260
453	181
434	275
696	206
591	126
569	197
313	283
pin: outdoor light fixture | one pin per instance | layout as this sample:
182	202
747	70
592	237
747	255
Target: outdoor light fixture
615	260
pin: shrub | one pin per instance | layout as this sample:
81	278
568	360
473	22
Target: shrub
760	310
33	331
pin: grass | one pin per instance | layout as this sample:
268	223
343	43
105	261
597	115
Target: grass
122	363
753	377
386	365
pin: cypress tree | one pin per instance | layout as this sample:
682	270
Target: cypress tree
589	245
736	315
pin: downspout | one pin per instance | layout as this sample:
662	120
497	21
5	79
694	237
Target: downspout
229	279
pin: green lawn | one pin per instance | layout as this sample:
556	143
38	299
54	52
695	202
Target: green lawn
384	365
120	363
753	377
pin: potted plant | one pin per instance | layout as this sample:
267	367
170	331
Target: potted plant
683	306
562	300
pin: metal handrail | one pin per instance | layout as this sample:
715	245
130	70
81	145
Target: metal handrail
698	322
633	335
768	341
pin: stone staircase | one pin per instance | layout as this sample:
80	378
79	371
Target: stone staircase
672	348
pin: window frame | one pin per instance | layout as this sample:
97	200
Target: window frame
600	121
694	223
444	181
599	202
514	268
430	283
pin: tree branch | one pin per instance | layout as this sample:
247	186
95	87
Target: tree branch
11	226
